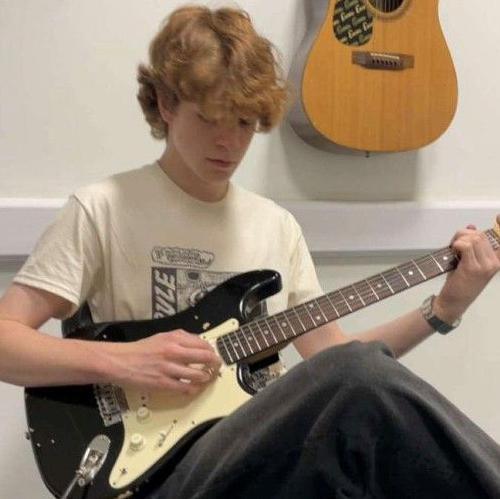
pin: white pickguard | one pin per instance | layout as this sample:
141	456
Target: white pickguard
156	421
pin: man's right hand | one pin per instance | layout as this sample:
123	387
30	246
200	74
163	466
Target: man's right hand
176	361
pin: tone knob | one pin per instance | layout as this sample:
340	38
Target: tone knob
136	441
143	413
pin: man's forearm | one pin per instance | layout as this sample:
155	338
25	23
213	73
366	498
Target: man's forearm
401	334
31	358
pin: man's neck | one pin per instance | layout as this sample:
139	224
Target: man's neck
185	179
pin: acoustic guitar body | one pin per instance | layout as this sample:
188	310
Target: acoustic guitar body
374	75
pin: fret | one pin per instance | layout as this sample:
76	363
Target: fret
249	333
365	293
223	348
373	290
387	282
317	313
345	301
428	266
248	340
397	283
448	258
404	278
305	318
277	327
381	286
411	274
332	305
340	303
267	332
437	263
320	308
326	308
307	306
252	338
419	269
313	309
255	325
295	323
285	325
237	346
350	293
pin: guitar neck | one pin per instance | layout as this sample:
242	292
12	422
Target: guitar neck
279	329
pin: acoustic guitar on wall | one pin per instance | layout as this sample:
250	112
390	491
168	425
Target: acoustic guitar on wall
373	75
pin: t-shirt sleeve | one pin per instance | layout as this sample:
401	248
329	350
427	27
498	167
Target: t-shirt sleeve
67	257
304	284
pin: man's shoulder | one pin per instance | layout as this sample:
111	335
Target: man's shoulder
262	206
122	185
259	201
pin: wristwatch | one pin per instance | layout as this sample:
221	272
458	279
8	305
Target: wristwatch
434	321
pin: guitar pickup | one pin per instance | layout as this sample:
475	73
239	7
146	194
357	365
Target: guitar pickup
378	60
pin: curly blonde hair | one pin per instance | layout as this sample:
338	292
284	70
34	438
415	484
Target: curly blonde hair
216	59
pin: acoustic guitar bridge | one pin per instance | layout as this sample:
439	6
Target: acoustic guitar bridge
378	60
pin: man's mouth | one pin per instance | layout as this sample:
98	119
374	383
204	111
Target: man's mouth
221	162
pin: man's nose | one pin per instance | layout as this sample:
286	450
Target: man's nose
228	136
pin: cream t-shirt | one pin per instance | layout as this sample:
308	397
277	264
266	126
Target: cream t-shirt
136	246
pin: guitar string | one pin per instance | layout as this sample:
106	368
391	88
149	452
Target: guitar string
236	337
385	6
362	289
304	315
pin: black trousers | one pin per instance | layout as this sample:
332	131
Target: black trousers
351	422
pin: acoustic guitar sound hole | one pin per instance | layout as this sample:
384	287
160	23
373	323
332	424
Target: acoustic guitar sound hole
385	6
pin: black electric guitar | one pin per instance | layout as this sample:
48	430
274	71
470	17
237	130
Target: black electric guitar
103	441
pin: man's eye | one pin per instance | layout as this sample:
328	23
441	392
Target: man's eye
204	119
245	123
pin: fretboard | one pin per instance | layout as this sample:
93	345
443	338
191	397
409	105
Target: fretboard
277	330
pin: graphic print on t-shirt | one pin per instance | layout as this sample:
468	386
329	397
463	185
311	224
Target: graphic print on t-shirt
180	279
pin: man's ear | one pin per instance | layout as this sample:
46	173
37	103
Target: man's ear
166	112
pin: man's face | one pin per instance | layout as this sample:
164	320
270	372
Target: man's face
211	151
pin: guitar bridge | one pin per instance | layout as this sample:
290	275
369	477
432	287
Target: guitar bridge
110	401
378	60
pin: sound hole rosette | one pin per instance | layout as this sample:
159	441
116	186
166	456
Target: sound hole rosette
386	8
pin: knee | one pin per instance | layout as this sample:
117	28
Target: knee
355	363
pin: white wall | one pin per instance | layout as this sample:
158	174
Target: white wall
68	116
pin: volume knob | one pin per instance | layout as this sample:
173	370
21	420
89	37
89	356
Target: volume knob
143	413
136	441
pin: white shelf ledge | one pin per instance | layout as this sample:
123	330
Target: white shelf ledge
330	228
381	228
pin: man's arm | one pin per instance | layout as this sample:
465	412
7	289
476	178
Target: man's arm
31	358
478	264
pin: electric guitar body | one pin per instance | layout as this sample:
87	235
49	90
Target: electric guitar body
148	431
374	75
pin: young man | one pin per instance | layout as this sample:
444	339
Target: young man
352	421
